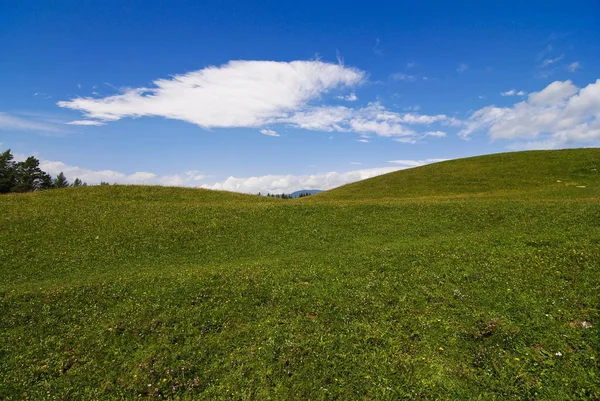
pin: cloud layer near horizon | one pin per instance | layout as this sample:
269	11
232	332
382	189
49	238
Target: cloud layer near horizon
188	178
276	184
290	183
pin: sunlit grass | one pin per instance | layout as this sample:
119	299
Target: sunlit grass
417	284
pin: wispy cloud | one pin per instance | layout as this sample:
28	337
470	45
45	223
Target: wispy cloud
86	122
43	95
557	35
376	49
437	134
462	68
372	119
403	77
269	132
400	76
415	163
513	92
547	50
349	98
549	61
31	123
574	66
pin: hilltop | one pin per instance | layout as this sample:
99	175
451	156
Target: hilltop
543	172
465	279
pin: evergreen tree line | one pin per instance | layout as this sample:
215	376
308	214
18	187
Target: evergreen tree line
280	196
27	176
285	196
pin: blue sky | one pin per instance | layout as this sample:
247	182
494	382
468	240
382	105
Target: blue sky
280	96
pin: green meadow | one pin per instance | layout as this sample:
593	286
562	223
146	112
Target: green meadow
475	278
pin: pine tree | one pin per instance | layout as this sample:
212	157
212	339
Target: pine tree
29	176
79	183
7	172
61	181
46	182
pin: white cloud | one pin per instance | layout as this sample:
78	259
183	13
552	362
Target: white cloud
193	178
86	122
549	61
363	140
237	94
257	94
415	163
555	93
379	127
349	98
354	163
560	114
403	77
462	68
269	132
42	94
372	119
438	134
411	65
11	122
513	92
289	183
188	178
400	76
325	118
574	66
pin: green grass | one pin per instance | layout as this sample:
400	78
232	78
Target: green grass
458	280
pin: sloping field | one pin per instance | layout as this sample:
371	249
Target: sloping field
539	174
473	278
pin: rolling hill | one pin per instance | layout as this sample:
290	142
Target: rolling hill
541	172
468	279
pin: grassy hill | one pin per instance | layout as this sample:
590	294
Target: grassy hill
542	173
472	278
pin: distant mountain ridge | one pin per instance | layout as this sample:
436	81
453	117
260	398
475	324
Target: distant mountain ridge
305	191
